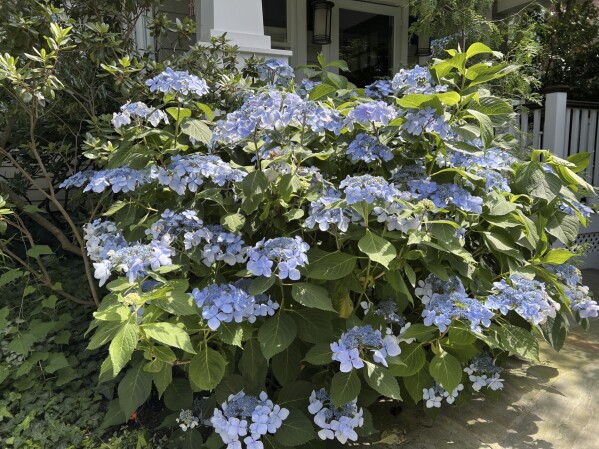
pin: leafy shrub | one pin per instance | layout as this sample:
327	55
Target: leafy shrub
277	263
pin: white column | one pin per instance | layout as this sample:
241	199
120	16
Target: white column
554	130
242	21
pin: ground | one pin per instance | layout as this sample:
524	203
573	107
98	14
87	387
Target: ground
549	405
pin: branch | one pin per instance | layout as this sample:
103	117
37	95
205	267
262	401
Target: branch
65	243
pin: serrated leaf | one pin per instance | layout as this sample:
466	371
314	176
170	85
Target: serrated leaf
321	90
178	395
413	357
419	331
134	389
39	250
286	365
312	295
178	303
169	334
330	266
252	363
319	354
233	222
207	369
197	130
276	334
381	380
296	430
345	387
446	370
377	248
123	345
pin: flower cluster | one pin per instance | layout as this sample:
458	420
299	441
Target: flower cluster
273	110
275	72
140	110
367	188
483	373
348	350
226	303
368	149
434	395
187	420
288	253
445	302
248	418
339	423
190	172
371	113
526	297
102	238
579	295
172	224
416	81
177	82
322	215
444	195
122	179
426	120
134	260
379	89
491	158
572	206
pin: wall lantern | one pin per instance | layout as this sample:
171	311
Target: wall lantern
322	10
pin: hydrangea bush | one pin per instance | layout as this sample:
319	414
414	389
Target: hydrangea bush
293	259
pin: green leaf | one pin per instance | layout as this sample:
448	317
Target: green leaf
450	98
39	250
377	248
345	387
557	256
170	334
233	222
532	180
381	380
254	183
413	100
296	430
486	126
134	389
252	364
178	113
178	303
276	334
295	394
114	415
286	365
105	332
122	346
314	326
517	341
197	130
207	369
261	284
193	439
178	395
555	331
330	266
288	185
446	370
416	383
476	49
319	354
413	357
321	90
419	331
163	378
231	333
564	227
312	295
580	160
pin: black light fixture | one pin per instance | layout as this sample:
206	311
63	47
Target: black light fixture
322	10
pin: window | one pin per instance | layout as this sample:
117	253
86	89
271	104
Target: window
274	13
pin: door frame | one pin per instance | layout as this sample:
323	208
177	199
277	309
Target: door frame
400	29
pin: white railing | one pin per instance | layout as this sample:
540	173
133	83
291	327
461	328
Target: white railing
565	128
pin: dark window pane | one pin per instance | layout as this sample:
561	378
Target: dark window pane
366	44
